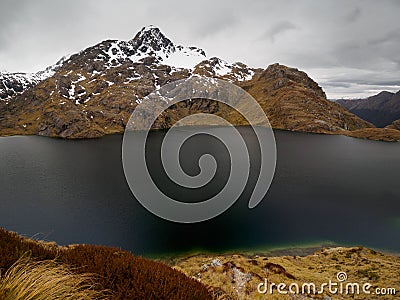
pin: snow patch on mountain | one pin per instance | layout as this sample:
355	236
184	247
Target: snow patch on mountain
231	72
51	70
185	57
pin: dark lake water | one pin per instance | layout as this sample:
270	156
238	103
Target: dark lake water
326	188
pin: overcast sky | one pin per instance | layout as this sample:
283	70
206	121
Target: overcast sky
351	48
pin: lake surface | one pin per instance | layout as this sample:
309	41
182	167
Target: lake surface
326	188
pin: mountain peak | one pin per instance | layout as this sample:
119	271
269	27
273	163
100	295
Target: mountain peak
150	27
384	94
150	41
150	38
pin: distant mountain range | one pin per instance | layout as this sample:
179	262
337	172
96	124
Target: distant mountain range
93	92
381	110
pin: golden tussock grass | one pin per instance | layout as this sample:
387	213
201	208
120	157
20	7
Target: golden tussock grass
46	280
360	264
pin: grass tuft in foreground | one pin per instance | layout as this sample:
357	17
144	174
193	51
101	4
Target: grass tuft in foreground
46	280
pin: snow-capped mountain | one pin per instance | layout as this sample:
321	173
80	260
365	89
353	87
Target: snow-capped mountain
15	83
51	70
150	41
12	84
93	92
218	67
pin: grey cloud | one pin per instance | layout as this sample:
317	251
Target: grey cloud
278	29
377	53
360	83
216	25
359	35
338	84
205	19
9	13
392	36
353	15
349	81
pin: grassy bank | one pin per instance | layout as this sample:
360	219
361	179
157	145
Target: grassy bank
236	276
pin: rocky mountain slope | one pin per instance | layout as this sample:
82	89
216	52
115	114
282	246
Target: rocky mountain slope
394	125
93	92
12	84
381	109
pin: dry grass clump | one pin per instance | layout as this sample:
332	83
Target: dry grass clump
46	280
